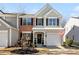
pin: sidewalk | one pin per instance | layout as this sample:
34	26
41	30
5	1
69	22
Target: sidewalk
9	49
43	48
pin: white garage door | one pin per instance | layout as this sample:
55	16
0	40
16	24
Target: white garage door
53	39
3	38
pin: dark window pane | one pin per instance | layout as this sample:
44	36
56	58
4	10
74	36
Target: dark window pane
24	21
52	21
32	21
36	21
27	21
46	21
42	21
20	21
39	21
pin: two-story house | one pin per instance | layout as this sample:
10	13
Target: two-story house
43	27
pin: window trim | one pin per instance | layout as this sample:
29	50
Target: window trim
26	32
26	18
51	18
42	21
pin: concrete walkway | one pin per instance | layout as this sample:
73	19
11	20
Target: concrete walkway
9	49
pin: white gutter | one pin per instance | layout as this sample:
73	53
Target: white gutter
47	28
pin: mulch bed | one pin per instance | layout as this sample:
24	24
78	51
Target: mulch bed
71	47
25	51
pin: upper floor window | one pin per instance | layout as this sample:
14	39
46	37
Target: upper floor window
27	21
52	22
39	21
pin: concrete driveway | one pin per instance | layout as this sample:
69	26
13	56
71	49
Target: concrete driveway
57	51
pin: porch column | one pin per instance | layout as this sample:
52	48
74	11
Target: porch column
33	38
44	39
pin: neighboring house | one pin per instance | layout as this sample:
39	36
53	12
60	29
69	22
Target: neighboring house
8	30
72	29
43	27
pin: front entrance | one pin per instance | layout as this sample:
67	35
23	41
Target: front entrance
39	38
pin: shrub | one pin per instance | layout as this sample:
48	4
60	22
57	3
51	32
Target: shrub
34	45
76	43
68	42
64	44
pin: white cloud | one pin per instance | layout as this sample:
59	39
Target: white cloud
74	14
76	8
75	11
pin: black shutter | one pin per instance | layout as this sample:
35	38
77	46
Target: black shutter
42	21
46	21
31	21
20	21
36	21
57	22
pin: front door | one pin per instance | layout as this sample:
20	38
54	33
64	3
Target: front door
39	38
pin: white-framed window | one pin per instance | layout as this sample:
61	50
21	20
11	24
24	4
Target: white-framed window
27	21
51	21
39	21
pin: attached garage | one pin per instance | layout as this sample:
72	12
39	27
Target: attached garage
53	39
8	34
8	37
3	38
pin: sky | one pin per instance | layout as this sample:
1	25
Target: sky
65	9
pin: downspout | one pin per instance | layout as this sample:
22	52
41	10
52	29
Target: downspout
17	21
8	39
10	35
18	26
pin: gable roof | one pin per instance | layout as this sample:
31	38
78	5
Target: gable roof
46	10
1	12
4	22
54	13
43	10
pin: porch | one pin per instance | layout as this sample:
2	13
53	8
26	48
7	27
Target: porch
39	38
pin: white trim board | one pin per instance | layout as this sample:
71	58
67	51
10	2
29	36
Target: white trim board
26	32
47	28
53	10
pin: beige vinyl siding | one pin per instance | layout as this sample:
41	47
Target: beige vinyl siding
3	26
12	21
14	36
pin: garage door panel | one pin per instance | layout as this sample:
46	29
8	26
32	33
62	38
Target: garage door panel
53	39
3	38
